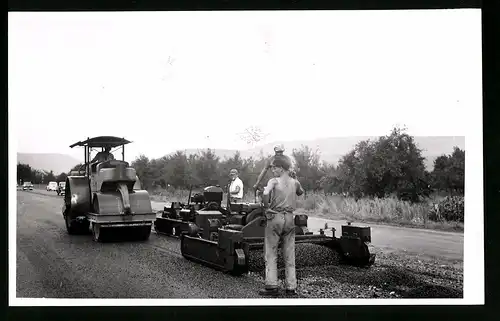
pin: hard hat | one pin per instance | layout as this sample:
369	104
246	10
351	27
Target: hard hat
279	148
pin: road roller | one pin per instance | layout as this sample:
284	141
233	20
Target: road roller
222	237
105	194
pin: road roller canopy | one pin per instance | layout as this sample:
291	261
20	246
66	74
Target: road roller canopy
102	141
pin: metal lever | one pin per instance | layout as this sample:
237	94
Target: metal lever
122	188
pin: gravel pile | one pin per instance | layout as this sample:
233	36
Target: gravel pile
394	275
306	255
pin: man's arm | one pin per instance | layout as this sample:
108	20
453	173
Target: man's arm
236	190
239	187
263	172
267	191
96	157
299	190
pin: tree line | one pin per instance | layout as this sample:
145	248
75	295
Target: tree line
392	165
25	173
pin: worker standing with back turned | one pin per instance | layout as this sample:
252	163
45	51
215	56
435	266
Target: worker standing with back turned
280	201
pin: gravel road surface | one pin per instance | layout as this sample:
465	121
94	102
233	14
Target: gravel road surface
52	264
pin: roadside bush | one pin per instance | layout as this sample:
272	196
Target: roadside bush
448	209
311	202
383	210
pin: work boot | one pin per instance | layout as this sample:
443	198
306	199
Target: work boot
269	292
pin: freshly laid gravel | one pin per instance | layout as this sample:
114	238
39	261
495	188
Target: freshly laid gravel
394	275
306	255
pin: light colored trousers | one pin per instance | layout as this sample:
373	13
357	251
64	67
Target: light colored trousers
281	225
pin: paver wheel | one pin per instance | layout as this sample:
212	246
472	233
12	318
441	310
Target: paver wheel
239	270
253	215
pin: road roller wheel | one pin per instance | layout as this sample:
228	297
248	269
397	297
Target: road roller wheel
141	233
83	227
98	233
74	227
144	233
70	225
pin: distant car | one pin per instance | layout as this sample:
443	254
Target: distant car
61	188
52	186
27	186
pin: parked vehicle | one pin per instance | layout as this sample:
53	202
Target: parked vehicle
52	186
27	186
61	188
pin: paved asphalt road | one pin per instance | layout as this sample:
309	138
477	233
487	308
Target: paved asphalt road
53	264
50	263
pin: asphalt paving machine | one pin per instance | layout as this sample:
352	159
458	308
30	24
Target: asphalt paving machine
222	237
106	195
179	217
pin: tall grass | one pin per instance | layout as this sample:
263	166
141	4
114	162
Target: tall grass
376	210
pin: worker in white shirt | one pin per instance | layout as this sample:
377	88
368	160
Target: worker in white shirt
235	187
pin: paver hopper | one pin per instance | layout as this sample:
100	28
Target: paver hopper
107	195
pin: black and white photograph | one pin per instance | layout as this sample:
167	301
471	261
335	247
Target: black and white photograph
245	158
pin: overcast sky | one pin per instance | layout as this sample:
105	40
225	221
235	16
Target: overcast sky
175	80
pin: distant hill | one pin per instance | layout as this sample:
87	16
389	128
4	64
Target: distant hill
333	148
58	163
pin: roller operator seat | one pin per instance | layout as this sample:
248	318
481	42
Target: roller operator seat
107	171
112	163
